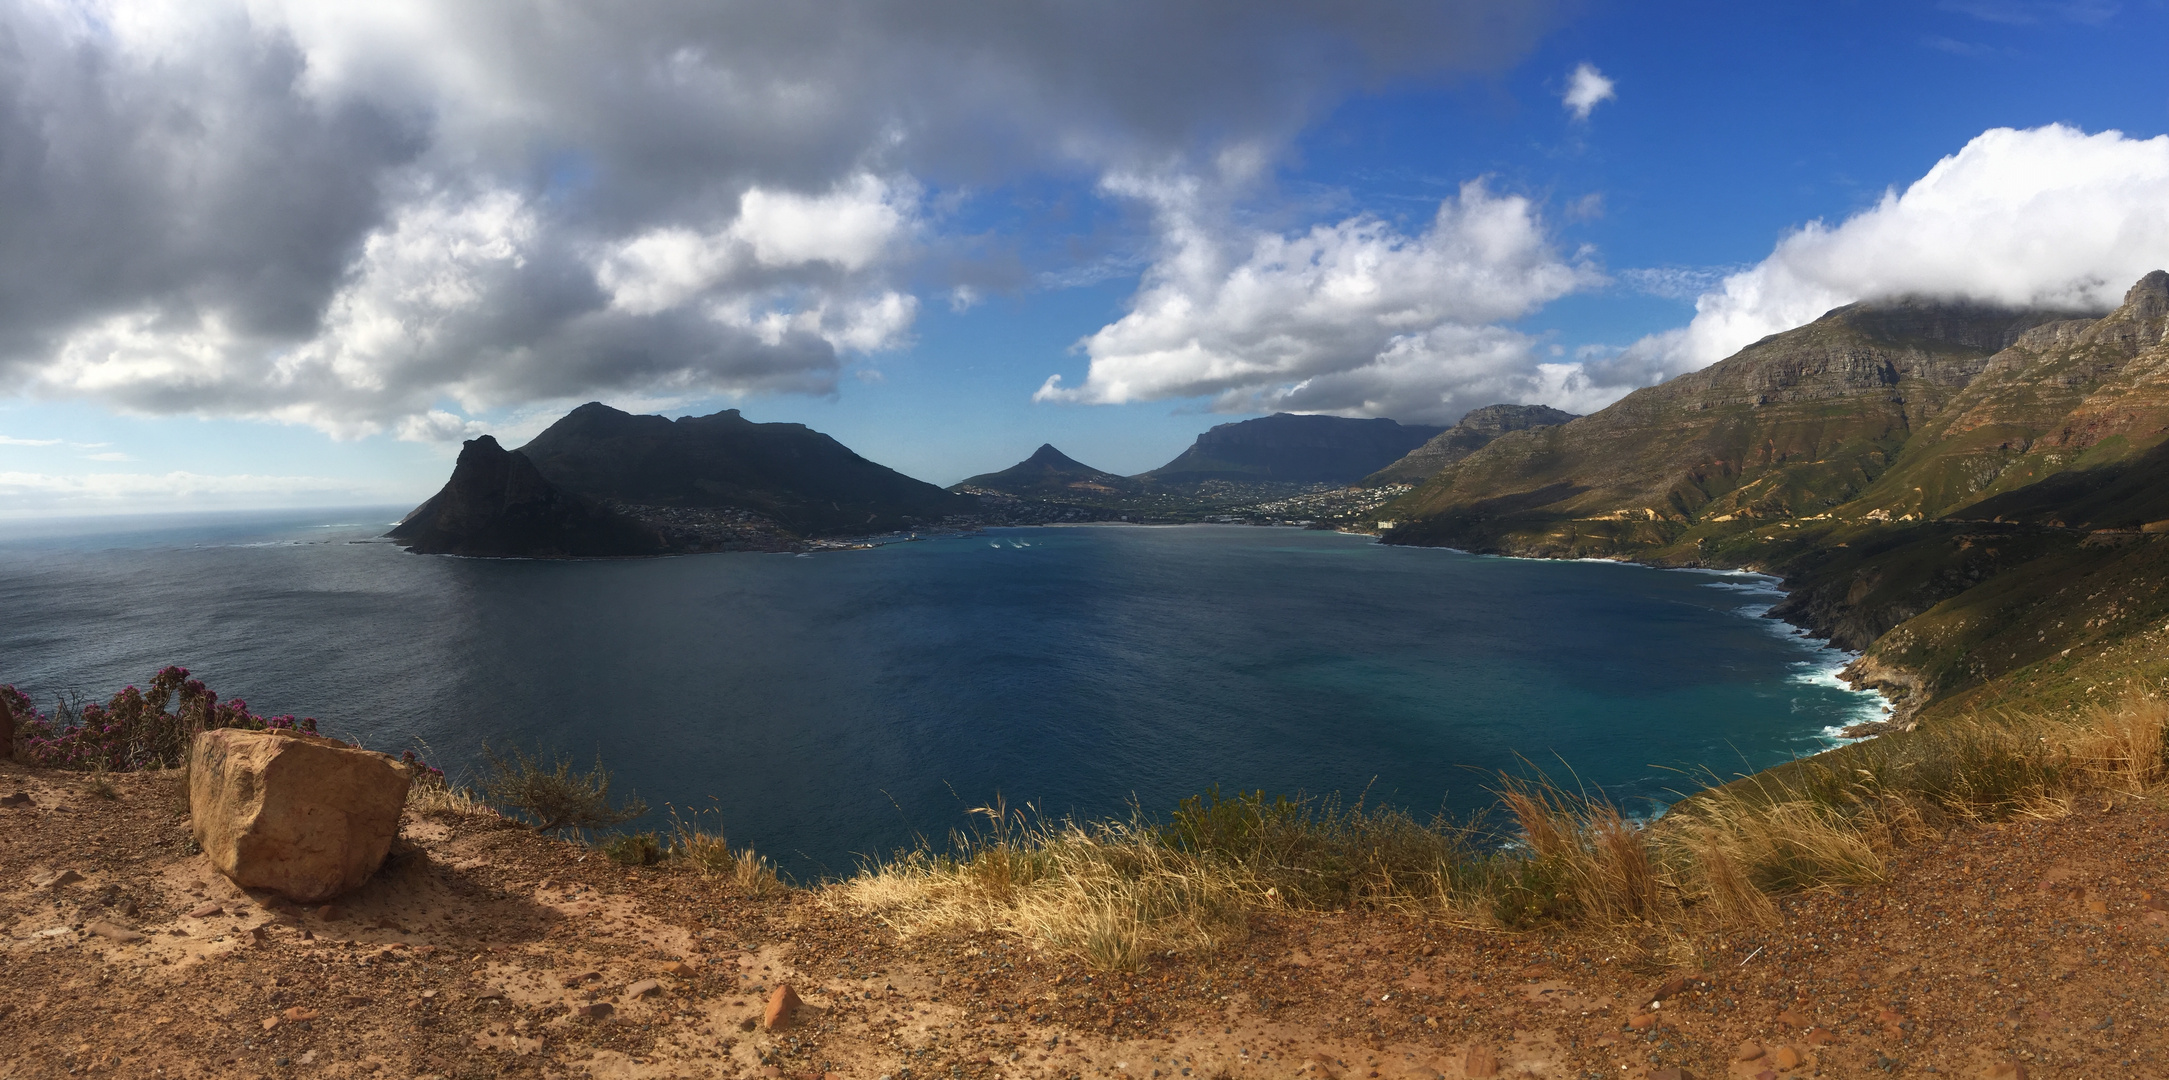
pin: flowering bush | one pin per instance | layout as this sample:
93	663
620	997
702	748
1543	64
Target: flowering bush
137	729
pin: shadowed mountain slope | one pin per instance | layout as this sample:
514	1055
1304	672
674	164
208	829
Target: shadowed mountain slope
497	504
1291	448
1473	433
601	482
1054	476
790	473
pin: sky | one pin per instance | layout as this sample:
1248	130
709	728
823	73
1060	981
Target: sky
258	253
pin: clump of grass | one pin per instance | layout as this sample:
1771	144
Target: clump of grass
551	796
1110	892
633	849
710	854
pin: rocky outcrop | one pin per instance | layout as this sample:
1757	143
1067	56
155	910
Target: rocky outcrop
1294	449
303	816
1473	433
498	504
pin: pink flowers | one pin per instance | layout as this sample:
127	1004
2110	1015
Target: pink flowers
135	729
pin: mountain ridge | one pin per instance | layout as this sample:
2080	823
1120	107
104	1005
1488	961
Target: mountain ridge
1942	486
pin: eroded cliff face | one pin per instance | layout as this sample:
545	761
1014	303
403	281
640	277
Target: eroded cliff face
497	504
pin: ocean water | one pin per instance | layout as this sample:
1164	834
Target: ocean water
832	706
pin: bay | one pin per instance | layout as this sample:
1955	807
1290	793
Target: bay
833	706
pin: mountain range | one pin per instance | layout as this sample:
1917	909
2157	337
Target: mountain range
1971	494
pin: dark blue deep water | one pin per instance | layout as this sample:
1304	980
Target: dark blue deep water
842	703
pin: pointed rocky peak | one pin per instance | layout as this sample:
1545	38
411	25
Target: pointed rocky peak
2140	323
1047	457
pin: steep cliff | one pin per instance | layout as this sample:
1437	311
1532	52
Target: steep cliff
497	504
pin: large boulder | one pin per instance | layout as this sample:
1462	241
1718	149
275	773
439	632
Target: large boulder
301	815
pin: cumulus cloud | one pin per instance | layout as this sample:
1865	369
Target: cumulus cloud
389	216
1586	86
1357	317
2048	217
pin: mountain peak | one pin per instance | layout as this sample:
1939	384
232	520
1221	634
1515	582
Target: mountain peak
1049	457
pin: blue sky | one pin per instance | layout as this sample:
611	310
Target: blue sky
356	247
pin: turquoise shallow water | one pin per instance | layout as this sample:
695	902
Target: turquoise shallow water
838	704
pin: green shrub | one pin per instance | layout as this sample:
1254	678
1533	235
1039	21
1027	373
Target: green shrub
634	849
551	796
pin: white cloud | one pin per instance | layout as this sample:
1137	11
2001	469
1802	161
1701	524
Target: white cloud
1587	86
6	440
377	217
1355	317
111	455
2046	217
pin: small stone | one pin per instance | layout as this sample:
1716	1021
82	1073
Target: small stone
1793	1019
115	932
20	798
781	1004
2097	907
330	913
270	1022
1429	950
2005	1070
642	989
1748	1051
1819	1036
205	910
681	970
1480	1061
571	981
1673	1073
749	1023
1786	1058
1668	988
297	1014
54	881
1642	1021
595	1010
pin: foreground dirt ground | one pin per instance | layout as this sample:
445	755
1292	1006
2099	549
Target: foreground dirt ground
2030	949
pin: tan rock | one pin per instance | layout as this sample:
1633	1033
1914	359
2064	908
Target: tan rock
300	815
1480	1061
1642	1021
1786	1058
642	989
681	970
1748	1051
115	932
595	1010
205	910
2005	1070
781	1005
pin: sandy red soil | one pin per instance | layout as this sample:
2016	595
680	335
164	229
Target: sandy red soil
2024	949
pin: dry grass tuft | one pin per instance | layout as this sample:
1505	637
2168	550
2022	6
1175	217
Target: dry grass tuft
710	854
